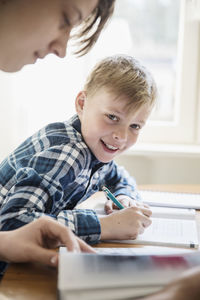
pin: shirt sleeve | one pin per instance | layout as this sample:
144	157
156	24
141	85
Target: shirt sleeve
39	190
120	182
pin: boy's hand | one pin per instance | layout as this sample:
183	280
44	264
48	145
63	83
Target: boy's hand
126	201
125	224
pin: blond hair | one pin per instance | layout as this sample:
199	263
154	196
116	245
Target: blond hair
123	75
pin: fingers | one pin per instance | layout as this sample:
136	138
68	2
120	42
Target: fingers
141	225
126	202
141	230
70	240
108	207
45	256
50	257
30	242
146	211
75	244
141	204
56	231
142	219
146	222
84	247
51	232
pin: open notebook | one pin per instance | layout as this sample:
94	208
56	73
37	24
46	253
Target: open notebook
173	227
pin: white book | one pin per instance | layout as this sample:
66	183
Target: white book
96	277
171	199
148	250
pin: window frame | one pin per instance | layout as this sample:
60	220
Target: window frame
186	126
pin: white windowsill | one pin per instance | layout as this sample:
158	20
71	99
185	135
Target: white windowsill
165	150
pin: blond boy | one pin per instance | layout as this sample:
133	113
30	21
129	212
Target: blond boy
65	163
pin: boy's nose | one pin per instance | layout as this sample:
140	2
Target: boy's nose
120	135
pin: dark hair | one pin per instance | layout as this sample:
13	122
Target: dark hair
91	28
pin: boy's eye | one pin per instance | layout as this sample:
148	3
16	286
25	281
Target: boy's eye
136	126
112	117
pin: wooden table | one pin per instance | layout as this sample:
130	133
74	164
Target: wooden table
37	282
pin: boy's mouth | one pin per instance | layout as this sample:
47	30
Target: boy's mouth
109	147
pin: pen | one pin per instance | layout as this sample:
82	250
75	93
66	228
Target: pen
110	196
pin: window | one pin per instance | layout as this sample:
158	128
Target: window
182	126
164	35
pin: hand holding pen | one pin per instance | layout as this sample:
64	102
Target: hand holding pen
111	197
126	222
122	201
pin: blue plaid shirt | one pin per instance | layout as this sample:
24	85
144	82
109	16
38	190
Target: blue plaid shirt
53	171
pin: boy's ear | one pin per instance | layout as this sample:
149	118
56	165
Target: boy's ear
80	102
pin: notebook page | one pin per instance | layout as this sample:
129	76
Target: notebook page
169	199
165	212
173	213
168	232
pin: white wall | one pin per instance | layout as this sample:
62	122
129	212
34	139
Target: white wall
162	169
